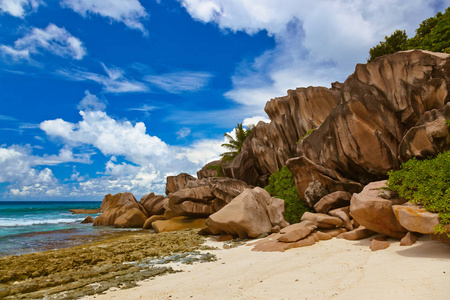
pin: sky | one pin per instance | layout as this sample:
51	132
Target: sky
108	96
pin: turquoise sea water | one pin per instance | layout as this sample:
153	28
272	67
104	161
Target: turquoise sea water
33	226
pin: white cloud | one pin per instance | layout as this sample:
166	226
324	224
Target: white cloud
183	132
179	82
53	39
114	82
91	102
19	8
255	120
129	12
316	42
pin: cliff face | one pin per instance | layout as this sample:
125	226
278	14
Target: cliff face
270	145
385	113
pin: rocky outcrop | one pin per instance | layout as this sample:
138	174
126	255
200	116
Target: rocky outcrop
87	220
415	218
134	218
374	212
154	204
115	206
178	223
201	198
270	145
332	201
207	171
176	183
247	215
82	211
388	111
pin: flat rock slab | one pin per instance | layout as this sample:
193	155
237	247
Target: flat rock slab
178	223
415	218
322	220
333	201
358	234
296	232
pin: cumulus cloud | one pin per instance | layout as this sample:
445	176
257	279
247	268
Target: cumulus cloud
19	8
115	80
91	102
129	12
179	82
316	42
52	39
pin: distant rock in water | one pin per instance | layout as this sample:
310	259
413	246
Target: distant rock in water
82	211
87	220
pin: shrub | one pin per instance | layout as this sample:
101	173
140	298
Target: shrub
282	185
306	134
427	183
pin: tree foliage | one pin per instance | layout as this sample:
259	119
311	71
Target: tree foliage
282	185
433	34
234	144
427	183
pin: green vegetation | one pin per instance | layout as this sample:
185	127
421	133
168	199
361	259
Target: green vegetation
218	169
306	134
433	34
447	122
427	183
282	185
235	144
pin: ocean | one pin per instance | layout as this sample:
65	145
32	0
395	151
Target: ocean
33	226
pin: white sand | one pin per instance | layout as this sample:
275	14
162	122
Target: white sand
334	269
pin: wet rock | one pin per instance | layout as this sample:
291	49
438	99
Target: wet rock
149	221
374	212
87	220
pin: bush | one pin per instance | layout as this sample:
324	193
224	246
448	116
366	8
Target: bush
426	183
282	185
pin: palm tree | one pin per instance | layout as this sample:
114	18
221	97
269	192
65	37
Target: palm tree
235	144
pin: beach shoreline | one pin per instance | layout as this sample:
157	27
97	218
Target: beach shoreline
333	269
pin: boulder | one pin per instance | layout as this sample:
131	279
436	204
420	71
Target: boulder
296	232
245	216
178	223
322	220
149	221
207	171
333	232
343	213
358	234
87	220
275	210
114	206
226	189
415	218
82	211
133	218
409	239
154	204
332	201
176	183
374	212
379	243
192	202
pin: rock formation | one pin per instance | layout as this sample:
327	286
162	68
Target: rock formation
154	204
388	111
176	183
206	171
115	206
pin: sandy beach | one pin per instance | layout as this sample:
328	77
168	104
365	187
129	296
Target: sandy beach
334	269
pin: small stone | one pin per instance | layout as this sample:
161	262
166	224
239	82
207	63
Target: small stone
379	243
409	239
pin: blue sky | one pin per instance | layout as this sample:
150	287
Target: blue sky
107	96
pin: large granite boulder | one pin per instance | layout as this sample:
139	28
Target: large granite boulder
154	204
207	171
270	145
331	201
246	215
201	198
375	213
134	218
415	218
113	206
178	223
176	183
